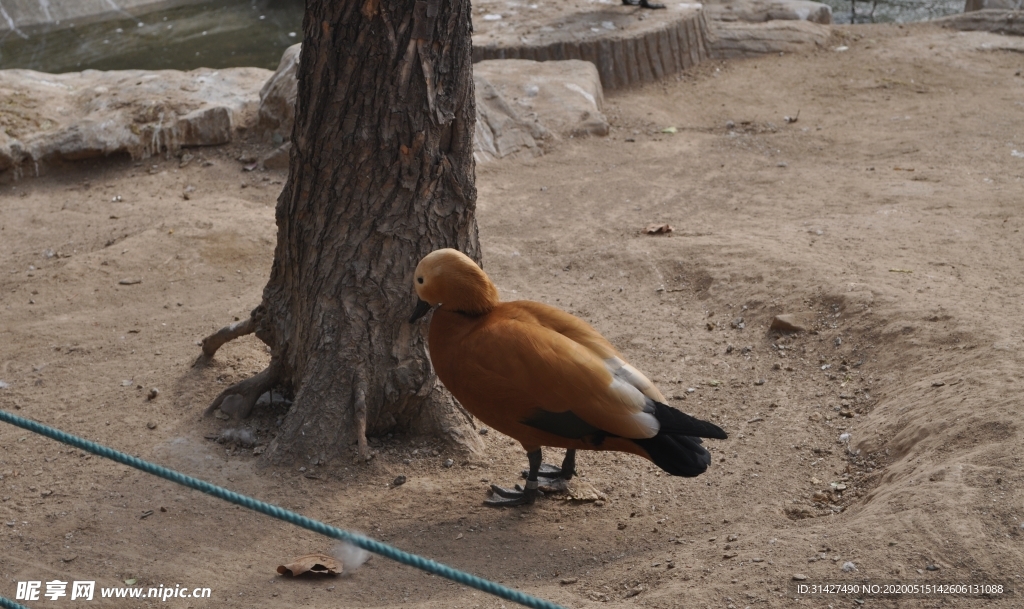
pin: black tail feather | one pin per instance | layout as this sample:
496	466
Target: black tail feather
679	423
677	447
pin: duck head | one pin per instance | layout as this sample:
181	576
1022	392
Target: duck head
450	280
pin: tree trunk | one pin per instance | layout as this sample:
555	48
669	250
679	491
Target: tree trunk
381	174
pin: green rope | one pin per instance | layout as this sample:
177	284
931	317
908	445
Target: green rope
274	511
6	604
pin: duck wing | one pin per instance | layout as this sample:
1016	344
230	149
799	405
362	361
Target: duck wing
557	372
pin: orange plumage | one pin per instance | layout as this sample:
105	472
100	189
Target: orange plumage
545	377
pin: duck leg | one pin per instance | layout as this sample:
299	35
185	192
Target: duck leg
504	497
551	478
642	4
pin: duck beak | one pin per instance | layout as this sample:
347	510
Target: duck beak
422	308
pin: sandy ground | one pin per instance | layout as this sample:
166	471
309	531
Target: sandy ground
888	216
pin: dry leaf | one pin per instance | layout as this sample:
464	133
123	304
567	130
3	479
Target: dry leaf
658	229
577	490
321	564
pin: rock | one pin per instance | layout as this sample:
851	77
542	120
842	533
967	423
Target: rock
277	98
799	577
568	581
499	130
760	11
152	395
787	323
448	463
564	96
274	399
848	567
399	481
1005	5
986	20
799	513
519	104
80	115
277	158
129	281
738	39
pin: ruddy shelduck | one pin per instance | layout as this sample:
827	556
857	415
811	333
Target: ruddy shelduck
546	378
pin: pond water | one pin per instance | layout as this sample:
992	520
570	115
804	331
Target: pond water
230	33
889	11
214	34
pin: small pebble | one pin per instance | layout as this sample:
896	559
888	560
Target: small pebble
152	394
151	425
399	481
849	567
447	462
483	431
799	577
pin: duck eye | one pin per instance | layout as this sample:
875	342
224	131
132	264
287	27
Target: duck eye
419	280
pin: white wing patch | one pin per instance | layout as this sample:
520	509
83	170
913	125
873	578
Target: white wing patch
624	385
621	370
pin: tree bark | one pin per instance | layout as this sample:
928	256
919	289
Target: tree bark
381	174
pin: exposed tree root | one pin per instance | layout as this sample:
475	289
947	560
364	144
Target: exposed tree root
238	400
228	333
360	412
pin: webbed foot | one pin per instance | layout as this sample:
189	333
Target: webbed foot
546	471
503	497
643	4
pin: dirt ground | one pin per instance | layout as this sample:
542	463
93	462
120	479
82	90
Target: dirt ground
888	216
